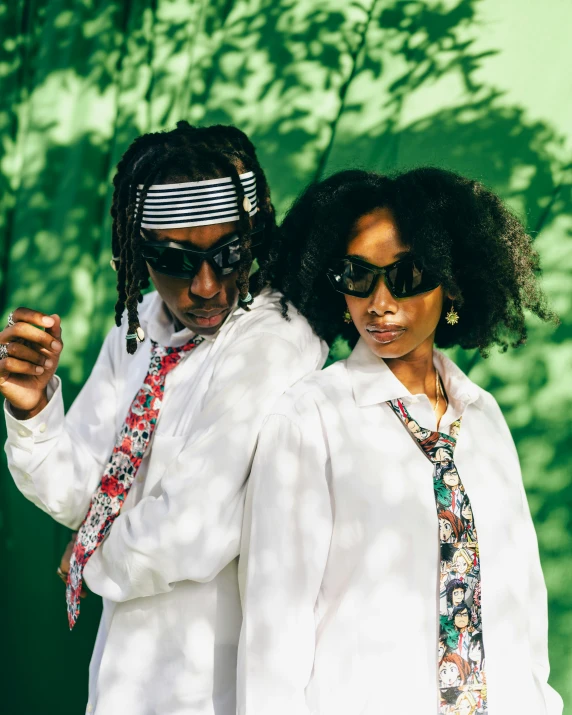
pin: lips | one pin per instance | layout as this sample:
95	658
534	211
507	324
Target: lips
385	332
208	318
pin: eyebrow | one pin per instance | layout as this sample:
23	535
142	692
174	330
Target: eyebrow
398	257
150	235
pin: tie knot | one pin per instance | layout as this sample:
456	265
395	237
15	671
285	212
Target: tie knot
169	357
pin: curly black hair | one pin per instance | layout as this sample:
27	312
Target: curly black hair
186	153
460	231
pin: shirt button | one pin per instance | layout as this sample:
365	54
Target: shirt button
22	432
89	708
43	427
26	478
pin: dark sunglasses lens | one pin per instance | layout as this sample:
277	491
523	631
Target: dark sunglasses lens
409	278
170	261
355	279
228	258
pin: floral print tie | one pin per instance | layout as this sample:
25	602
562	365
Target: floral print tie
121	470
461	655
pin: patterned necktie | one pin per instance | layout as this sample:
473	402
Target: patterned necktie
461	655
121	470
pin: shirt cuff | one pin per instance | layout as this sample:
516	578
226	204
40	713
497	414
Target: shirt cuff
44	426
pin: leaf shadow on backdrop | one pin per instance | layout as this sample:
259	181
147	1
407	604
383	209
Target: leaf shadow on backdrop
318	86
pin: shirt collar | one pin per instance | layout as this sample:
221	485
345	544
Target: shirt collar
160	325
373	382
457	385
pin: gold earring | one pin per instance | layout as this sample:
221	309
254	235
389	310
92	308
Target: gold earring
452	316
347	316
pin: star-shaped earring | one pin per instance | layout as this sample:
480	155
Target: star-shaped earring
452	316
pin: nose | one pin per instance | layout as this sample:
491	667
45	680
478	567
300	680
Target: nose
381	301
205	283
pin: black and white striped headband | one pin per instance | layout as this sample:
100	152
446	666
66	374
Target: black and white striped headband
197	203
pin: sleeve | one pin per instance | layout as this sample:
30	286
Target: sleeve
190	528
286	540
538	617
55	460
537	594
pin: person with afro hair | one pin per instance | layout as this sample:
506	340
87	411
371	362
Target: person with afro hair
342	549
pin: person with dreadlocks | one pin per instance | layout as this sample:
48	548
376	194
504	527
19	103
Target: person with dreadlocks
343	552
150	463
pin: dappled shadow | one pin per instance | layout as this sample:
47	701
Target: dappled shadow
319	86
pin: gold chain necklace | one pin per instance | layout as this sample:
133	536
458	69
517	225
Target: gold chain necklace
439	392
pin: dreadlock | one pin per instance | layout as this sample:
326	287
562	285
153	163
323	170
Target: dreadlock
186	153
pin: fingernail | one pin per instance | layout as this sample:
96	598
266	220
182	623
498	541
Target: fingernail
48	322
49	363
56	346
39	370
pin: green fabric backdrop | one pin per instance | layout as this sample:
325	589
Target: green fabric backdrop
479	86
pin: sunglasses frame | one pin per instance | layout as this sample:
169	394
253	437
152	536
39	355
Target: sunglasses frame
202	256
334	276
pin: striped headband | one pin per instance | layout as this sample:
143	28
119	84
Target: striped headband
196	203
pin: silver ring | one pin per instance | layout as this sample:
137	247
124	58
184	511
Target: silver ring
11	322
3	352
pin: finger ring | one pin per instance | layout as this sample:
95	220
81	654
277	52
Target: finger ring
62	575
3	352
11	322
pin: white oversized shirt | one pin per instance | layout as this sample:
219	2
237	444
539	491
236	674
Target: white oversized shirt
339	569
167	572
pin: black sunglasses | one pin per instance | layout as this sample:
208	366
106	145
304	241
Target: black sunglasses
173	259
404	278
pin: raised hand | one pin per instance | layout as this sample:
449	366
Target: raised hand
30	357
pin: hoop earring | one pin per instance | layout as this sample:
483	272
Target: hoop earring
452	316
347	316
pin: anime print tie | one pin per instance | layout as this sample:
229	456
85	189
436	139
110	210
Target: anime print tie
461	654
122	467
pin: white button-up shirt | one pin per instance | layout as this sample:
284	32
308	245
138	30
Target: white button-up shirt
168	570
339	569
